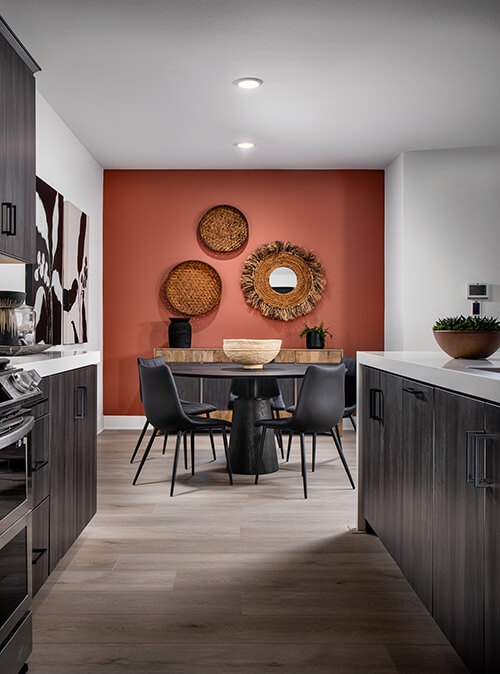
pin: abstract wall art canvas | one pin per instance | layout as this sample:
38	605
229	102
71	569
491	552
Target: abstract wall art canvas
75	274
47	272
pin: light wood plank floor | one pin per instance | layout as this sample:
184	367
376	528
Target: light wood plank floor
219	579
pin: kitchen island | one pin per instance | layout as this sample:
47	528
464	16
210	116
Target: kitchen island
429	486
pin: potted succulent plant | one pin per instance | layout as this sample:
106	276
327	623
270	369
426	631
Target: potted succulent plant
468	337
315	336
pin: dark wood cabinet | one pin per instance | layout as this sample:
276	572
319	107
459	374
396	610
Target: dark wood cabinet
458	527
73	457
396	431
430	469
40	544
62	466
415	477
492	540
17	149
85	434
372	457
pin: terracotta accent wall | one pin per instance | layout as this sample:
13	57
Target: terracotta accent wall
150	225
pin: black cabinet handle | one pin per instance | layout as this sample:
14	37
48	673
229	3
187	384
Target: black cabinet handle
39	465
480	440
5	217
37	553
81	392
420	395
9	219
469	460
376	404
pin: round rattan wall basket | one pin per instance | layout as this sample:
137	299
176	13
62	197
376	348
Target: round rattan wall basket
193	288
223	229
257	288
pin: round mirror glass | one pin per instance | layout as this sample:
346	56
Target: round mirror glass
283	280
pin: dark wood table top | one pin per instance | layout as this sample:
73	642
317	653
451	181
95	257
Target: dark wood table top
233	370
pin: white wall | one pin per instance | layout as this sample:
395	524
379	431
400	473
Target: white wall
442	231
64	163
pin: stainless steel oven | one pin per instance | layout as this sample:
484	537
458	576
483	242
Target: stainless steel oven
18	392
15	542
15	473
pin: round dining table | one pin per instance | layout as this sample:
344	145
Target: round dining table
247	409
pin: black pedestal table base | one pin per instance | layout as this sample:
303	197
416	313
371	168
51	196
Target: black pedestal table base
245	437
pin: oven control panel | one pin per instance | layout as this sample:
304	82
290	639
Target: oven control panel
19	385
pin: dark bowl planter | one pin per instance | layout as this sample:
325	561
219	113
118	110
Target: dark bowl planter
314	341
468	343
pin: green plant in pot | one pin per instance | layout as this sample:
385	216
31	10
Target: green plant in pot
468	337
315	336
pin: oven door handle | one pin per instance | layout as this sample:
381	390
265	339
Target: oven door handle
18	433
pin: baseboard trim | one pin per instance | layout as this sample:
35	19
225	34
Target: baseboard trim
123	422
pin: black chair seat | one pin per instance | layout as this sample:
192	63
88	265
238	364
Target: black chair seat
192	408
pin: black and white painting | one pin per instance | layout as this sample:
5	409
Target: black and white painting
47	275
75	274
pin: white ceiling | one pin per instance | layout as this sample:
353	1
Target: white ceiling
347	83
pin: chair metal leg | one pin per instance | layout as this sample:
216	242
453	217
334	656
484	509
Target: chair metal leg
145	455
226	452
313	452
337	433
165	439
342	458
141	437
176	461
278	434
212	442
303	462
192	452
289	447
353	422
185	451
279	440
261	453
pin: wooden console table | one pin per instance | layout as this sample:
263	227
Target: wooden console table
216	391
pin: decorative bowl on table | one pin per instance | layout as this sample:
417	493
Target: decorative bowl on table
251	353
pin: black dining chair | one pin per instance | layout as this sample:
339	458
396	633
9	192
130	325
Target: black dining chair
349	406
350	389
165	412
190	408
268	388
319	409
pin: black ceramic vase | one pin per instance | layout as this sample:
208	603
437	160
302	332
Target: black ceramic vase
179	333
314	341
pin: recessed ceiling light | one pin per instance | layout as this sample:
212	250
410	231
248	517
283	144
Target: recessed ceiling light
245	145
248	82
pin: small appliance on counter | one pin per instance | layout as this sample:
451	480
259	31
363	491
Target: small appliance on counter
9	301
17	326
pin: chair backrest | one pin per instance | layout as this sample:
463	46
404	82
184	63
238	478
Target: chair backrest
160	398
350	381
149	362
321	399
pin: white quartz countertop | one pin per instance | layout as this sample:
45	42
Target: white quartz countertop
53	361
436	368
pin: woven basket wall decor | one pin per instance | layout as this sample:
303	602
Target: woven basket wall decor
223	229
272	304
193	288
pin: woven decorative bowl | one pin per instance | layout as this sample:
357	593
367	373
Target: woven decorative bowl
193	288
468	343
223	229
251	353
